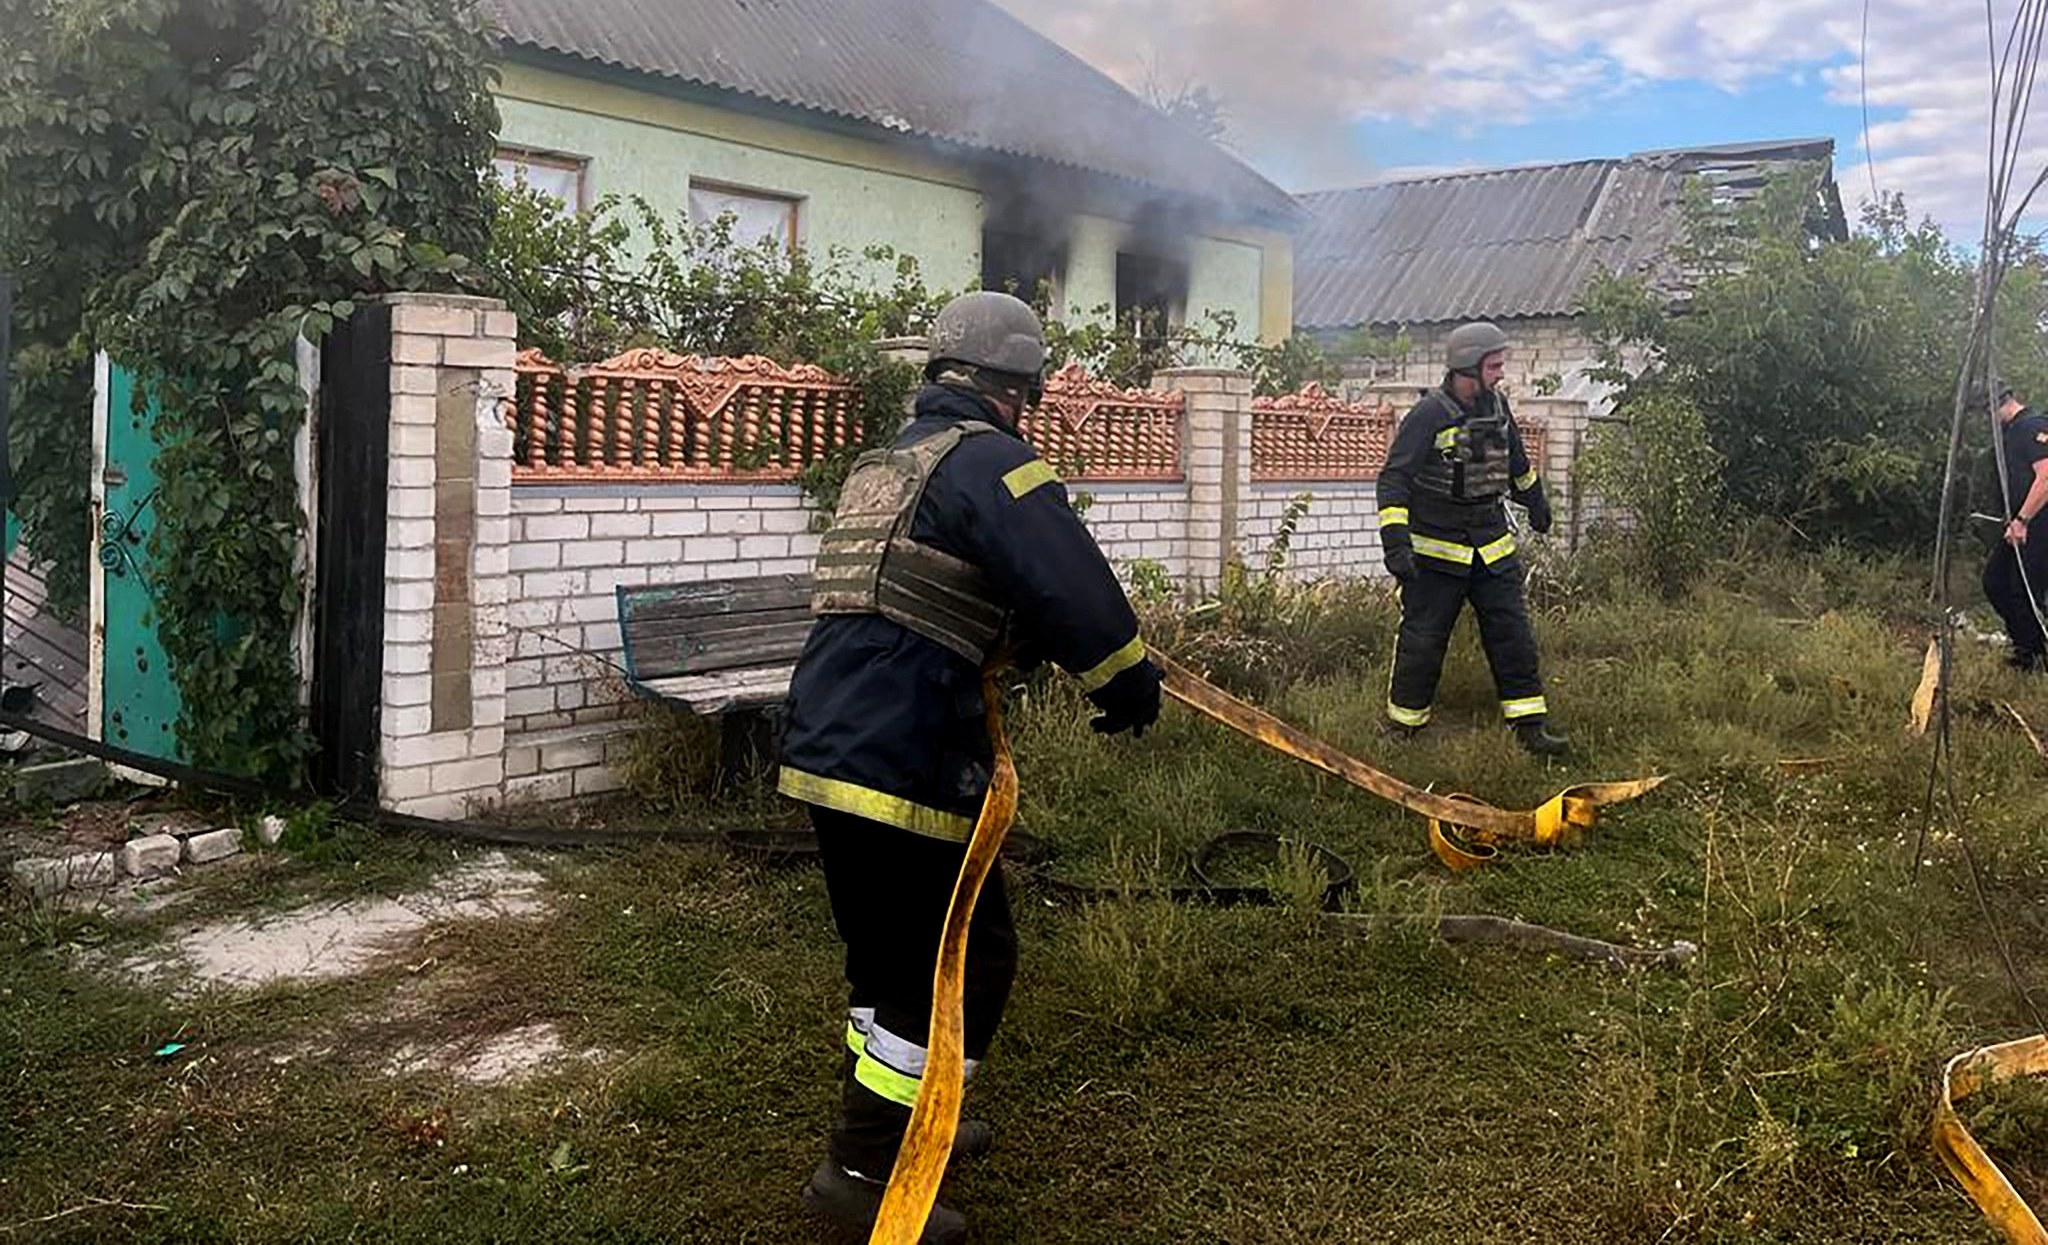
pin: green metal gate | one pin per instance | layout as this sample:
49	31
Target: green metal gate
139	703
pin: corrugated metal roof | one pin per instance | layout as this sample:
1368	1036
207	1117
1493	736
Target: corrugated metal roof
956	71
1507	242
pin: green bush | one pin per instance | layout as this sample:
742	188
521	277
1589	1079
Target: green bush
1659	469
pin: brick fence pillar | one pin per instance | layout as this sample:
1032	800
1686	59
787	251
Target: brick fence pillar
1216	449
447	546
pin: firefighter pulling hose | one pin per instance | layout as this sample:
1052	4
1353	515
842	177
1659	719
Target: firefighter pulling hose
954	542
931	1139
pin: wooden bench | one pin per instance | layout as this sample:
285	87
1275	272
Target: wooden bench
720	649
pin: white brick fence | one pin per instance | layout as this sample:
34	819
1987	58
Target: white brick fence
501	622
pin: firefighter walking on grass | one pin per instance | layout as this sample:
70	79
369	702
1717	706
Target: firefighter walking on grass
1444	531
955	544
2016	574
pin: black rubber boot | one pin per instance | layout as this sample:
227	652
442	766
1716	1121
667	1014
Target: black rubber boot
973	1139
1399	732
850	1201
1535	736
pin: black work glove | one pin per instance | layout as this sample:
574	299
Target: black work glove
1539	513
1400	559
1129	702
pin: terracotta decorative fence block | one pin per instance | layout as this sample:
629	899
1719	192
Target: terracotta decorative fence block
1536	440
1316	435
651	416
1093	430
648	416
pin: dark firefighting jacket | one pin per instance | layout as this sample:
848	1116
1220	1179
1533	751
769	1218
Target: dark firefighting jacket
886	723
1447	474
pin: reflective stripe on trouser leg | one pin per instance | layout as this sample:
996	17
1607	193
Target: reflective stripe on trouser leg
1429	610
893	1066
890	889
1406	716
1510	642
859	1020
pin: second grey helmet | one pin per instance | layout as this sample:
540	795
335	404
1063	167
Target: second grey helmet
1469	344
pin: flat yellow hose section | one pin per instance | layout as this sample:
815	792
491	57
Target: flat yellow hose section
1920	712
921	1162
928	1143
1558	821
1967	1162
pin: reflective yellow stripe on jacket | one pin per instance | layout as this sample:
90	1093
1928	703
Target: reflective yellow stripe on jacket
1113	665
1030	476
890	810
1452	551
1446	550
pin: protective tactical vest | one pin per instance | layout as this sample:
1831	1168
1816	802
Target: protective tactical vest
1471	458
868	564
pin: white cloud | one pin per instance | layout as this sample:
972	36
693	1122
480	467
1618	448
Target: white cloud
1296	75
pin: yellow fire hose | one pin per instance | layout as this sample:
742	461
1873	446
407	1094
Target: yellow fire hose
921	1162
928	1143
1967	1162
1981	1178
1557	822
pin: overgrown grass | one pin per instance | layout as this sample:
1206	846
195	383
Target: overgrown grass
1173	1072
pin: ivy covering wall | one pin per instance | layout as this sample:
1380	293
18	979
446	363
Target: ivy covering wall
192	185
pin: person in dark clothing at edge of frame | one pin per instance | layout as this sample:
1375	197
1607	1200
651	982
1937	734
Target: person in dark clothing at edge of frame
954	545
2019	560
1445	535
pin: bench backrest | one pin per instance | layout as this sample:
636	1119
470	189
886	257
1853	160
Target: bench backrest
703	628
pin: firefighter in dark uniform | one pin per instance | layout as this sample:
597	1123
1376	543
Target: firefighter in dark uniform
2016	574
1444	532
955	544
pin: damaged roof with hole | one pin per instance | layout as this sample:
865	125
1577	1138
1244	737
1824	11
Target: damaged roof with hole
958	72
1514	242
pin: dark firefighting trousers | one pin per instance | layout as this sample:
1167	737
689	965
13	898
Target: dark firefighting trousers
1430	605
890	890
2007	591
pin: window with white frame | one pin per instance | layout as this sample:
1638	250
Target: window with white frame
558	177
757	215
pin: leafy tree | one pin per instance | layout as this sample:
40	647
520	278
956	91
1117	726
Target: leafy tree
1823	371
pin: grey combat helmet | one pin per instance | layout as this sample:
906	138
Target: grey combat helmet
1469	344
990	331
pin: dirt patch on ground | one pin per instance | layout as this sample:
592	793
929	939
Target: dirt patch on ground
97	826
493	1059
438	1016
337	939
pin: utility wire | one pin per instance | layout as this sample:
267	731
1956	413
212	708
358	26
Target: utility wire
2014	70
1863	89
